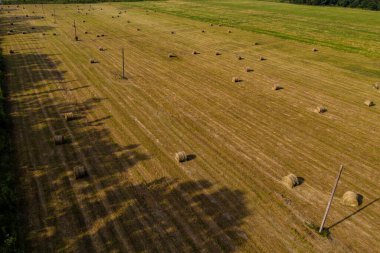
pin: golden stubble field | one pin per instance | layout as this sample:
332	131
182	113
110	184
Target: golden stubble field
243	137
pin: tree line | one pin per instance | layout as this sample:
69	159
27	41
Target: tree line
62	1
365	4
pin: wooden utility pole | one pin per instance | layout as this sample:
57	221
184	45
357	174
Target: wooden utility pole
122	56
330	200
75	31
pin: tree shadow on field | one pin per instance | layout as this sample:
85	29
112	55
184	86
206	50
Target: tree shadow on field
106	211
16	23
166	215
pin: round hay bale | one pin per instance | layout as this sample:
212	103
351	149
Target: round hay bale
80	172
92	61
262	58
102	49
76	38
138	29
85	32
376	86
11	51
248	69
320	109
54	34
236	79
277	87
172	55
59	139
69	116
32	28
97	35
229	31
172	32
195	52
181	156
315	50
290	181
211	24
23	32
350	198
240	58
217	53
9	33
102	35
203	31
369	103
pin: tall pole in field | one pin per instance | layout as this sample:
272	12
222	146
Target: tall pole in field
330	200
122	57
75	31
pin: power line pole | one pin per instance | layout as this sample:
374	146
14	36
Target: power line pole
75	31
122	56
330	200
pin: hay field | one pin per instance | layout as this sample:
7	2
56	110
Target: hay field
242	137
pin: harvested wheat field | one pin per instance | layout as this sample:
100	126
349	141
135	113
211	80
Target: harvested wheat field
115	184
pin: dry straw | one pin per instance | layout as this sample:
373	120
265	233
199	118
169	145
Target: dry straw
59	139
80	172
369	103
320	109
350	198
181	157
69	116
290	181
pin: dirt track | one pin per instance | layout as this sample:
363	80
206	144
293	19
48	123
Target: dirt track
244	137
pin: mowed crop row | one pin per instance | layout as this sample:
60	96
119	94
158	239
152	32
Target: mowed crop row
244	136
